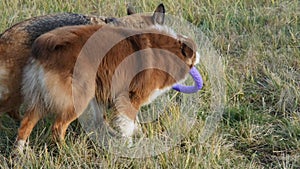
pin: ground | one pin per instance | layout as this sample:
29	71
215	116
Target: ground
259	43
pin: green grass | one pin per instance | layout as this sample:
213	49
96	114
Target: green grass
259	42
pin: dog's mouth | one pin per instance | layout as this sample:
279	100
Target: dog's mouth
191	89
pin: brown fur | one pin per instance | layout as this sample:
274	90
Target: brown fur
56	53
15	48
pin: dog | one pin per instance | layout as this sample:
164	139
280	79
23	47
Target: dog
54	77
16	43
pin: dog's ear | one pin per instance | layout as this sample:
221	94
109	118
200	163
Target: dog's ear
110	20
130	10
159	14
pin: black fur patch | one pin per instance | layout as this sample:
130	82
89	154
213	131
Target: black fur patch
43	24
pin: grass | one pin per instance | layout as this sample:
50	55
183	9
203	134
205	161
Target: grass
259	42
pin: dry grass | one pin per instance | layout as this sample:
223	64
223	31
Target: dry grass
259	42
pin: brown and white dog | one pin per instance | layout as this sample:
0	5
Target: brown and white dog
49	85
16	42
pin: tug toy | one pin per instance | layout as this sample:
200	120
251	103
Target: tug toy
191	89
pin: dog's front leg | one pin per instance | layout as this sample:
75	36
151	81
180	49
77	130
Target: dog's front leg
125	117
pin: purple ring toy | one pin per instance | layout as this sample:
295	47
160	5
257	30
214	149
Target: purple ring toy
191	89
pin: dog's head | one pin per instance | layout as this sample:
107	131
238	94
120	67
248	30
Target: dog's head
179	45
188	50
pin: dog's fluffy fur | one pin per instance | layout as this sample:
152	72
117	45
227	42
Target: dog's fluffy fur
16	42
15	48
49	84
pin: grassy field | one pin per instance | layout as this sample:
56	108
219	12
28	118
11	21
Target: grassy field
259	43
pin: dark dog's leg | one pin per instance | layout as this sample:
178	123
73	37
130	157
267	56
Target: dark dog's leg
31	117
62	121
15	115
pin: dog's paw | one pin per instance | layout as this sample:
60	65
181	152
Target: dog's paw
18	148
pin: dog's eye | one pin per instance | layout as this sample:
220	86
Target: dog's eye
183	50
